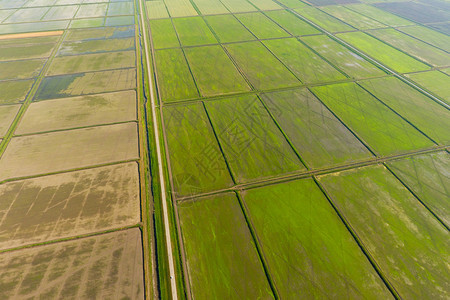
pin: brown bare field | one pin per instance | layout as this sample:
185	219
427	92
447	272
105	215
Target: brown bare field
65	150
69	204
80	111
7	114
107	266
30	34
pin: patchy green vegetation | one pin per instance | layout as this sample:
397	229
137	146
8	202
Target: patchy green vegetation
307	246
382	129
324	20
353	18
318	136
214	72
261	26
384	53
349	62
222	260
229	29
262	69
303	62
419	111
196	161
291	23
253	145
394	227
193	32
434	81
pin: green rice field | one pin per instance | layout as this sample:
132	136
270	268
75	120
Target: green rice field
224	149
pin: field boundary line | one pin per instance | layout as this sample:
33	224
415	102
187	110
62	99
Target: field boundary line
71	238
367	57
160	163
304	174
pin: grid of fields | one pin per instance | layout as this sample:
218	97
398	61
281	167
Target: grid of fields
307	147
71	165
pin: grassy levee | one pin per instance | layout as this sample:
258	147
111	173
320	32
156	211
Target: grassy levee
162	263
309	252
147	203
407	242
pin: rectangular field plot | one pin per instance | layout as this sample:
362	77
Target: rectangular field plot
7	115
86	83
383	130
180	8
80	111
92	10
214	72
229	29
120	8
65	150
175	80
403	237
252	143
196	160
193	32
83	268
14	91
92	62
156	10
261	26
324	20
429	36
349	62
26	51
94	46
414	47
379	15
87	23
291	23
293	3
265	4
353	18
414	11
309	250
78	35
210	7
236	6
303	62
427	176
262	69
222	261
69	204
163	34
436	82
61	13
20	69
318	136
27	15
427	115
384	53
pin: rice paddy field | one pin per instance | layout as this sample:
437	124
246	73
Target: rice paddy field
224	149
